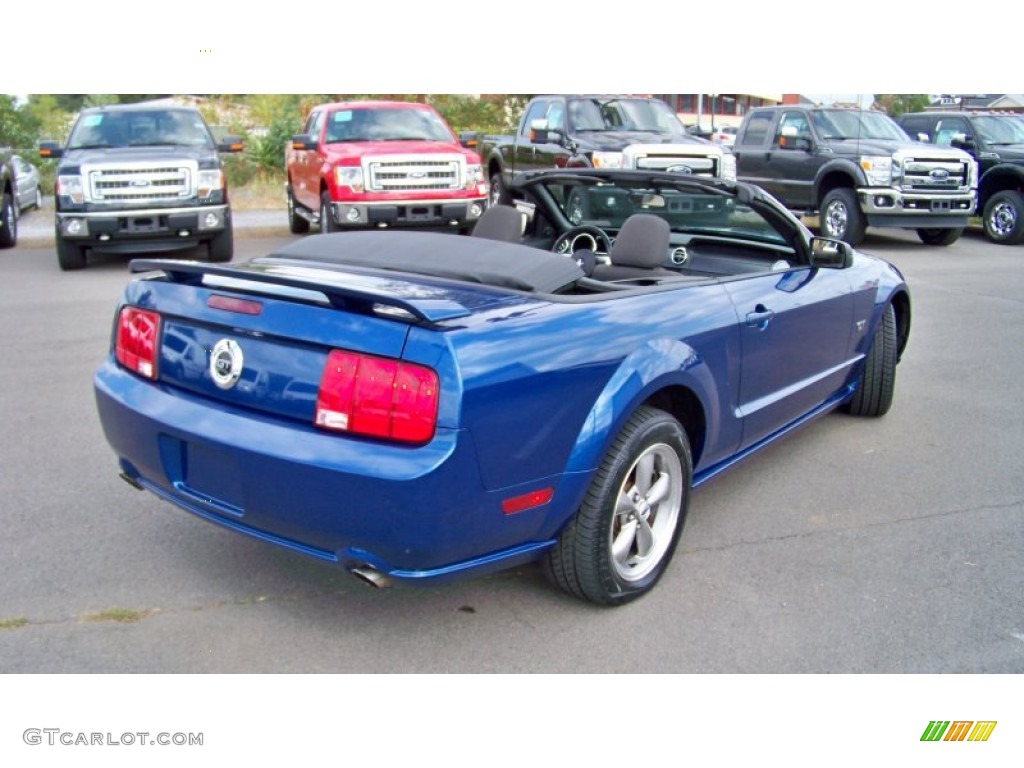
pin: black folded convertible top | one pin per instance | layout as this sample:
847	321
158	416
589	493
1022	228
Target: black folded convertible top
450	256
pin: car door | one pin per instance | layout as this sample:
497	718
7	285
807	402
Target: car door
795	328
751	149
790	167
24	185
306	171
525	149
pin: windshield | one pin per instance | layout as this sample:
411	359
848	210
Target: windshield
623	115
687	209
383	124
140	128
1000	129
854	124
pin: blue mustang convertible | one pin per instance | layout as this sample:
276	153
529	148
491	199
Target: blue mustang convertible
422	406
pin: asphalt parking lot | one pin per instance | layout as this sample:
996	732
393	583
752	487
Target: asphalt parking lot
854	546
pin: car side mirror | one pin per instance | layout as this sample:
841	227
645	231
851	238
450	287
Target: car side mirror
303	141
231	144
828	253
50	150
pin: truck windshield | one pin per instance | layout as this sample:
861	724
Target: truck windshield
999	130
855	124
140	128
648	115
385	124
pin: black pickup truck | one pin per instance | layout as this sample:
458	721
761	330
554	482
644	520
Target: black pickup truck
8	208
996	141
854	169
138	179
597	132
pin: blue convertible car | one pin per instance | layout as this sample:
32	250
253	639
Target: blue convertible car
419	406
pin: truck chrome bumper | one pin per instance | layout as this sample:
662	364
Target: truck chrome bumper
408	213
143	223
886	201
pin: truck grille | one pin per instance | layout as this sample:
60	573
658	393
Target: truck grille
699	166
924	175
140	183
405	174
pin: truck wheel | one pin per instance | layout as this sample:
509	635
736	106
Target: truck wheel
327	224
877	381
624	534
1003	217
70	256
296	224
8	223
841	216
222	247
939	236
499	195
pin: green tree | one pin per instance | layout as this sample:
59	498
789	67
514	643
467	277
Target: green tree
900	103
16	127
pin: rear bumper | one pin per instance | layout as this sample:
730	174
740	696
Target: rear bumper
408	213
411	513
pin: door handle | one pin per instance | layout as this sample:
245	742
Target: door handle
760	317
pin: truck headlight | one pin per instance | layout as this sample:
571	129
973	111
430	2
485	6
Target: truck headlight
877	169
349	176
729	167
71	186
474	175
210	182
607	159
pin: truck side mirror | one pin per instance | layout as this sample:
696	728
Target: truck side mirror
50	150
303	141
962	141
231	144
469	139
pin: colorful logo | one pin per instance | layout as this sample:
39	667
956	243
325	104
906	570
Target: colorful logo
958	730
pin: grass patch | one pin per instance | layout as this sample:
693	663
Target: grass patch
13	623
259	194
121	615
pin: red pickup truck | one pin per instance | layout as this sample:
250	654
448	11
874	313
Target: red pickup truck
381	164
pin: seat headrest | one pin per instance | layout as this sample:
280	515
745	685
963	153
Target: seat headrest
642	242
500	222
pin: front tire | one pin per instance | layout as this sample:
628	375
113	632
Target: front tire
1003	217
222	247
70	256
939	236
877	381
623	536
327	224
841	217
9	220
296	224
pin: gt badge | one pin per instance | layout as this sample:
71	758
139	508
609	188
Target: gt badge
226	363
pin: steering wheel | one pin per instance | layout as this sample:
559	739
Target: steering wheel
587	236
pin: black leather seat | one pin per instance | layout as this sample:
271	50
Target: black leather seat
639	250
500	222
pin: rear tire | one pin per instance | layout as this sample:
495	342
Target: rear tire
296	224
8	222
222	247
841	217
70	256
1003	218
939	236
499	195
623	536
877	381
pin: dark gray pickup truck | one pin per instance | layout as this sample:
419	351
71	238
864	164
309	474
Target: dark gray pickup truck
854	169
598	132
139	179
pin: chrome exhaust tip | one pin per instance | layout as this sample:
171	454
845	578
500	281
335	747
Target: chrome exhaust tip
370	576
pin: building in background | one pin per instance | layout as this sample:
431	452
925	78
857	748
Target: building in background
982	102
708	110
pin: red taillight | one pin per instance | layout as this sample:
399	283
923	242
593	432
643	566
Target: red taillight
137	334
378	397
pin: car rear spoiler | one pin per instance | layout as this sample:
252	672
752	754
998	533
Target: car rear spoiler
342	295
